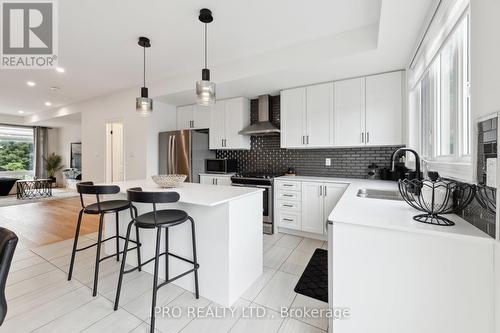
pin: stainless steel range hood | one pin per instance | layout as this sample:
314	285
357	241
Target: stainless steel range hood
263	126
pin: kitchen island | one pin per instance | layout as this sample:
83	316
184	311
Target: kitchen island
229	237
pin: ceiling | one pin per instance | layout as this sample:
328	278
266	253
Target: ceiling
251	43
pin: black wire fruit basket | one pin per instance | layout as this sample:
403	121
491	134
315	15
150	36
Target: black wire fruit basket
435	198
487	197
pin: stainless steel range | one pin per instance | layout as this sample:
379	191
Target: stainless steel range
265	181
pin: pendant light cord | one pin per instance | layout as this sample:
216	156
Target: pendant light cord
205	45
144	67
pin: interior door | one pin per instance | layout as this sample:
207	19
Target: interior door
384	106
331	193
320	115
217	123
185	117
312	207
350	112
293	118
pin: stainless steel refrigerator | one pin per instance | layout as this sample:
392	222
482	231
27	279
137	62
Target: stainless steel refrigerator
184	152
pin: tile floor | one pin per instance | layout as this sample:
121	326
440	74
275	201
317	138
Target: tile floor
40	299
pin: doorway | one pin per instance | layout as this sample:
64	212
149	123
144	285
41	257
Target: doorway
114	152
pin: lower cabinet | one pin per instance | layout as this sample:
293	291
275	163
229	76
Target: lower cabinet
304	205
215	180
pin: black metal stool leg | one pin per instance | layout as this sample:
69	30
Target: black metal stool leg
138	242
122	267
75	242
195	259
166	254
98	254
117	236
155	279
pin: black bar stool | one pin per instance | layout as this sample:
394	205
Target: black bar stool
8	242
158	219
101	208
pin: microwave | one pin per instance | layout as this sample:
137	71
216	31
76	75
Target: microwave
221	165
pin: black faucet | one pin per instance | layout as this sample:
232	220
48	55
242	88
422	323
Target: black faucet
417	160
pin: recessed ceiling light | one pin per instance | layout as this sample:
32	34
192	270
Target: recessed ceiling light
20	111
60	70
48	103
31	83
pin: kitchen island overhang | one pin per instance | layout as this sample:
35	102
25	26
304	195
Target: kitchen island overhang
228	234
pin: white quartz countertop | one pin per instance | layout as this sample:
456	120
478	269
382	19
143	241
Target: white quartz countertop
194	193
388	214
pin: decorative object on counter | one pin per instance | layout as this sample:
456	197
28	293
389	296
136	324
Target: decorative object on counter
291	172
144	104
169	181
487	197
373	171
205	90
436	197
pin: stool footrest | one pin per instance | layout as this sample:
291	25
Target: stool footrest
105	240
177	277
114	254
149	260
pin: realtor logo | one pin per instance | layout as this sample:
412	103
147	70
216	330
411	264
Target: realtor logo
29	37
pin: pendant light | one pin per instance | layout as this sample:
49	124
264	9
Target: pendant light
144	104
205	90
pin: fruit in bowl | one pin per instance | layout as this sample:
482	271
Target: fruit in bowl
169	181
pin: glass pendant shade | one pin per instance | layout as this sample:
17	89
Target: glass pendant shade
143	106
205	93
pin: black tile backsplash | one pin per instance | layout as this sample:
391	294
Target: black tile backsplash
266	155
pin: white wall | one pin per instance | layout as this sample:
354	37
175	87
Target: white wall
140	134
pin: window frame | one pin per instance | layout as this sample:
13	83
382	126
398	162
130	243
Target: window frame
463	140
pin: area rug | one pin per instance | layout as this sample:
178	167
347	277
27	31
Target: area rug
57	193
314	280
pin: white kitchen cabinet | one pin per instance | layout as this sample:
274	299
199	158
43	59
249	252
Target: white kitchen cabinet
293	118
207	179
312	207
320	115
228	117
307	117
384	109
350	112
304	206
193	117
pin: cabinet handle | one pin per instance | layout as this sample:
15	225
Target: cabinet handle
325	191
307	139
289	220
222	142
367	137
193	123
288	195
288	185
288	205
321	191
363	137
213	181
216	181
303	140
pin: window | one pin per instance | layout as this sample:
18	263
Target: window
444	104
16	150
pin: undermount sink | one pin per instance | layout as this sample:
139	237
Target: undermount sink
379	194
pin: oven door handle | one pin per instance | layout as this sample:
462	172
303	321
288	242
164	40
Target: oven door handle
250	185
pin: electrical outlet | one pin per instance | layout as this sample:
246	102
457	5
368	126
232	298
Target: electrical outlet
328	162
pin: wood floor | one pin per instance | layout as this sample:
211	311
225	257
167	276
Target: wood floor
46	222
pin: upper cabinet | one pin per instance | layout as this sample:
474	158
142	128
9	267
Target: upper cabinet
384	109
356	112
350	112
307	117
193	117
228	117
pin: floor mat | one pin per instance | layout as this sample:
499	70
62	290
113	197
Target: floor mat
314	280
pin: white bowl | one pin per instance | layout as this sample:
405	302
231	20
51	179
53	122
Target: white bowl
169	181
